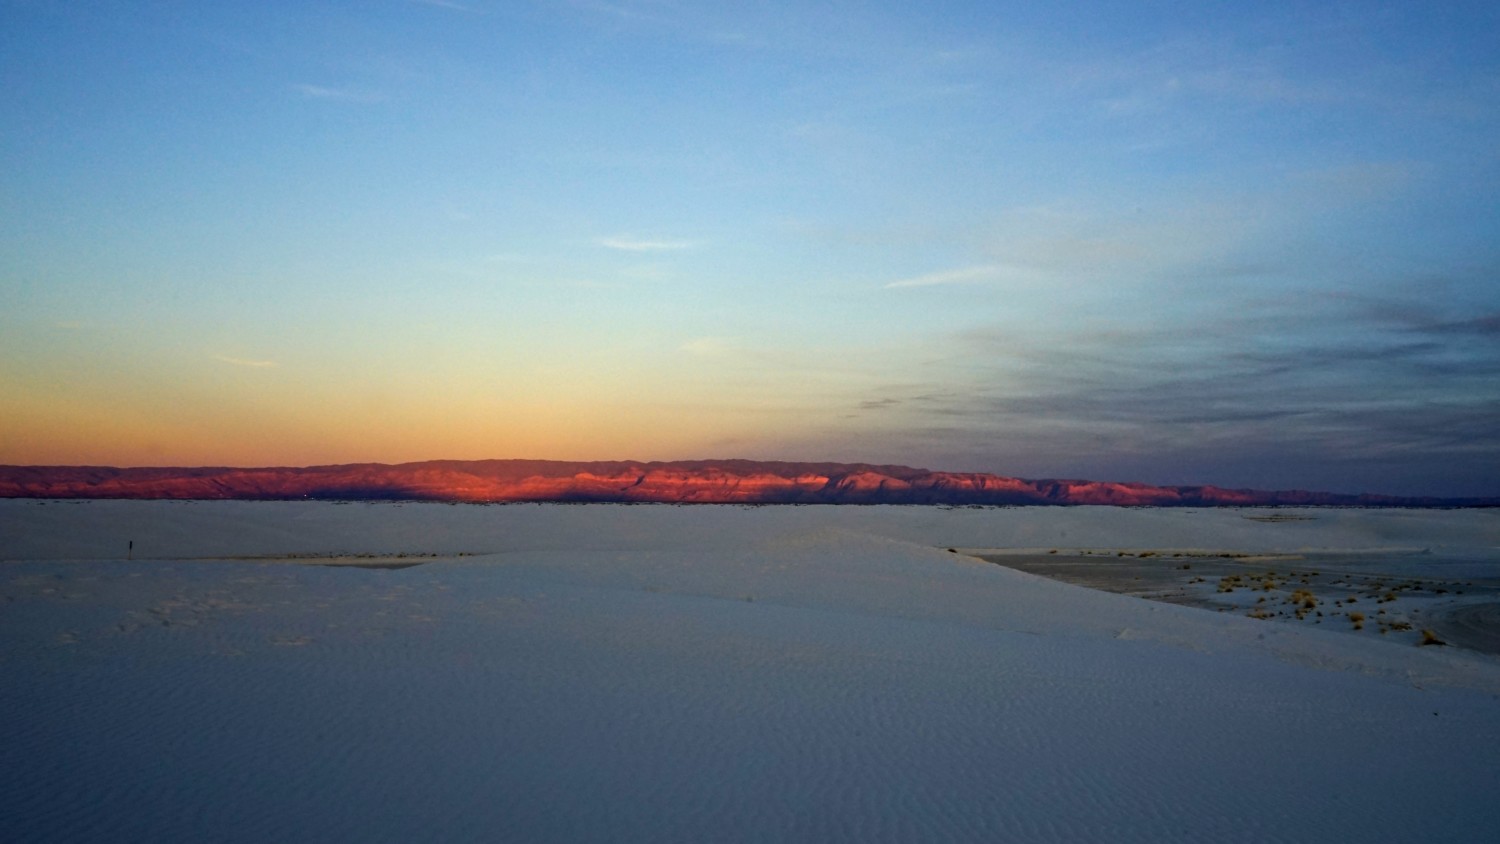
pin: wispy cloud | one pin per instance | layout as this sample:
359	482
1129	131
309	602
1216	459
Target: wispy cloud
964	275
637	244
1067	246
614	9
1487	326
1314	391
714	23
255	364
1354	182
447	4
319	92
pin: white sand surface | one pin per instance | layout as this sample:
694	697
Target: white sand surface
633	673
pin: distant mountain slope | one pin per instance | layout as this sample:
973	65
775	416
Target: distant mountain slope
691	481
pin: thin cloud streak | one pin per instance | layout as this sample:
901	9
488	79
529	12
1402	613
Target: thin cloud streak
447	4
319	92
1292	393
634	244
254	364
965	275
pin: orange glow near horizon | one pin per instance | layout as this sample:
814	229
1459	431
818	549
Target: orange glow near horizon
80	402
358	428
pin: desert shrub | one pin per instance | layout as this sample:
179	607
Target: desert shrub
1305	598
1430	638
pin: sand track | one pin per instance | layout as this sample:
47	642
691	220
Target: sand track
1475	626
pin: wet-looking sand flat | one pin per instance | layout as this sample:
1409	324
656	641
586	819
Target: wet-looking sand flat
1395	594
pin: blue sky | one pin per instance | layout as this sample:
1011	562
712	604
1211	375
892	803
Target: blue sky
1177	243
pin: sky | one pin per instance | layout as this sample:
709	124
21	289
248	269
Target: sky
1252	245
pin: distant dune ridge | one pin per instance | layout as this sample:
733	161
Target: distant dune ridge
691	481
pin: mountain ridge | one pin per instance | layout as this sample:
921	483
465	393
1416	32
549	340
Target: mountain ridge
731	481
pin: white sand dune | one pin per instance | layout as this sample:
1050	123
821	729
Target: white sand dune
625	673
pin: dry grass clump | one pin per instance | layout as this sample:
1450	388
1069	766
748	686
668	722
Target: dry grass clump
1359	620
1304	601
1306	598
1430	638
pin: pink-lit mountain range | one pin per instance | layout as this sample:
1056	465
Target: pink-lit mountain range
695	481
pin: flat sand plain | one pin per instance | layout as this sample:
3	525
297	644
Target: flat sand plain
241	671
